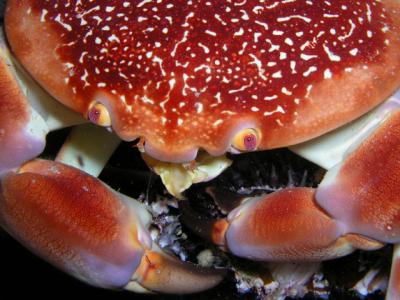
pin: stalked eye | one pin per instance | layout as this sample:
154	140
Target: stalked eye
246	140
98	114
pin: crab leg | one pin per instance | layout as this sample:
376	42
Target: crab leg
286	225
330	149
157	271
22	130
357	206
55	115
77	223
84	140
90	231
366	184
27	112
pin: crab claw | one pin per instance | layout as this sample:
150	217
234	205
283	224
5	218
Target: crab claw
90	231
364	192
285	226
159	272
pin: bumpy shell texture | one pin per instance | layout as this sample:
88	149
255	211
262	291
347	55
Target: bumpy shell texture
186	75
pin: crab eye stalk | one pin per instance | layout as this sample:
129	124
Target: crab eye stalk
98	114
246	140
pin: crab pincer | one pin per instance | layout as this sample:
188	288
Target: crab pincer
363	191
356	206
366	184
90	231
287	225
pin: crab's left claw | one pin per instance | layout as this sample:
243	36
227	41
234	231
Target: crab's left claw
287	225
364	192
90	231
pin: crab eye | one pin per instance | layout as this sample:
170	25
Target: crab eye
246	140
98	114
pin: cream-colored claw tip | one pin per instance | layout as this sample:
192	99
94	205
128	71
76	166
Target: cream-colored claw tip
159	272
247	140
99	114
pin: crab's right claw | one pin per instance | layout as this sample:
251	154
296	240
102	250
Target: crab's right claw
90	231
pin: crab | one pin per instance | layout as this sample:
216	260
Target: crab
194	80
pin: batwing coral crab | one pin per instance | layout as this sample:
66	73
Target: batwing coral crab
215	76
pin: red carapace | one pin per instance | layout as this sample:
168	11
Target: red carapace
185	75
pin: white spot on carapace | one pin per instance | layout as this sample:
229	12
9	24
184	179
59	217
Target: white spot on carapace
327	74
199	107
332	56
310	70
278	110
286	19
